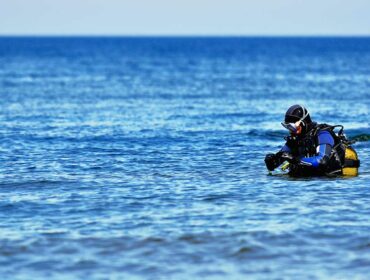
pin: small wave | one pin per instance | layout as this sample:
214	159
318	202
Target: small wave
243	251
360	137
32	183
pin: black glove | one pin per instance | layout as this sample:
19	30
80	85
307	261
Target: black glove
290	158
272	161
300	169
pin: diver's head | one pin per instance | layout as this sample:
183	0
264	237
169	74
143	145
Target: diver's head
297	119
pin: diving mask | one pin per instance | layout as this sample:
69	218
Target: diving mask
293	127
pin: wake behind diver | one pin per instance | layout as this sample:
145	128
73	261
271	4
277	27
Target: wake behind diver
313	149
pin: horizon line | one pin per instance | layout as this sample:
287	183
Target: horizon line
190	35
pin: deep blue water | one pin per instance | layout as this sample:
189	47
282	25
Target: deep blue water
143	158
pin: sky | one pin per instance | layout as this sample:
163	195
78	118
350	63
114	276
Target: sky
185	17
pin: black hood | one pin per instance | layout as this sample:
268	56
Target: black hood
295	113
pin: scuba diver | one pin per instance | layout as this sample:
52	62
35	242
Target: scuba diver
313	149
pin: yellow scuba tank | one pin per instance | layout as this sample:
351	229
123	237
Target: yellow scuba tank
351	162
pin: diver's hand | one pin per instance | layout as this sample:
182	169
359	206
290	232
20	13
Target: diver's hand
300	169
271	161
290	158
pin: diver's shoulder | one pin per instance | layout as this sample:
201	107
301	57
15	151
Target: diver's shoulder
325	135
323	132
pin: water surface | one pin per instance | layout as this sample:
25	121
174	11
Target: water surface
143	158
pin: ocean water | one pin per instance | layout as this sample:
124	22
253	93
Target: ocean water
142	158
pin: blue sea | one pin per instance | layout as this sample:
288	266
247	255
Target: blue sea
143	158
